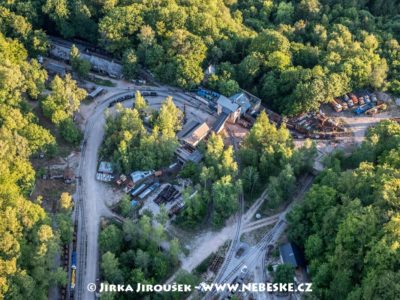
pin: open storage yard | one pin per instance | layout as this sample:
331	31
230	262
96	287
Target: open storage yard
357	118
345	117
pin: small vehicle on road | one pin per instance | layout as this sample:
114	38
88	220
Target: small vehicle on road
342	104
149	93
244	269
239	252
336	106
354	98
112	103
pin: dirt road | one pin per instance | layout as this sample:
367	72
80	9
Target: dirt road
209	242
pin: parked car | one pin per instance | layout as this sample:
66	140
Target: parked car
336	106
361	101
367	99
371	111
362	109
342	103
239	252
346	98
244	269
374	98
354	98
350	103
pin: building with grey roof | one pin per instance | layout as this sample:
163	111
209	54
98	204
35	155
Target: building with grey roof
243	101
96	92
55	69
61	48
184	154
220	122
291	254
225	105
106	167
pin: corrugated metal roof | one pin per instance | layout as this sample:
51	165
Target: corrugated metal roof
96	92
105	167
227	104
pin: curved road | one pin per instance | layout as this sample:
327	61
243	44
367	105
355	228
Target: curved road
91	203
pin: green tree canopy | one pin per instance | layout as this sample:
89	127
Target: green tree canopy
64	99
347	221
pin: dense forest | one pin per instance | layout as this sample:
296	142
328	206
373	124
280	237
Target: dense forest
128	143
349	221
29	244
213	195
268	156
140	253
293	54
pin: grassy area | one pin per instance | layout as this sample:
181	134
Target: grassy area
101	81
203	266
250	199
50	191
265	210
253	237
